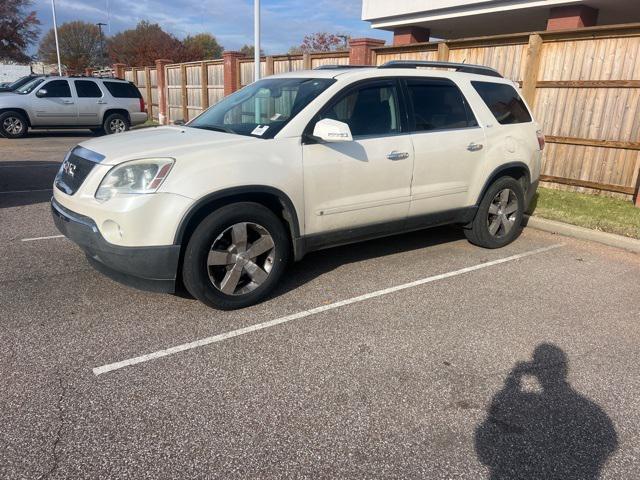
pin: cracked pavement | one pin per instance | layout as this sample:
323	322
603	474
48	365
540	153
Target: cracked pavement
527	369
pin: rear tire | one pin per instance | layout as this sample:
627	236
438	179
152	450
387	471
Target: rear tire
498	221
236	256
13	125
116	123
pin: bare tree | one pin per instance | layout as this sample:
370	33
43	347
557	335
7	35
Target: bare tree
80	46
18	29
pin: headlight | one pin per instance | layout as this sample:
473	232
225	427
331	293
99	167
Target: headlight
134	177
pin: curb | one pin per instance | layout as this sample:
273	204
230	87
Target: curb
582	233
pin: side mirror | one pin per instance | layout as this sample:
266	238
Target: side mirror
330	130
41	93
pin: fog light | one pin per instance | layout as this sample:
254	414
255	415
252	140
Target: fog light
111	230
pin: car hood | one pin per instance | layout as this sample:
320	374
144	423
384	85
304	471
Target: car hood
159	142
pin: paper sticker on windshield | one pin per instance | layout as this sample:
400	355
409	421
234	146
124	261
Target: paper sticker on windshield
260	129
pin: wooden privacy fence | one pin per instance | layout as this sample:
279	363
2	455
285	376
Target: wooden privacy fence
583	85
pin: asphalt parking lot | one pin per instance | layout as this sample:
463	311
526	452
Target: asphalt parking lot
418	356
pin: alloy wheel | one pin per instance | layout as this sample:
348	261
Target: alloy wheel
241	258
12	125
503	213
117	125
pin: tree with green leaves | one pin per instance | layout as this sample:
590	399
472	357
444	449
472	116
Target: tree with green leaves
203	46
18	30
80	43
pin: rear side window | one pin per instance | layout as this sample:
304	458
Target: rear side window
438	105
504	102
122	90
87	89
57	89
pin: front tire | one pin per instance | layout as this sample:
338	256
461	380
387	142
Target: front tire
13	125
116	123
498	221
236	256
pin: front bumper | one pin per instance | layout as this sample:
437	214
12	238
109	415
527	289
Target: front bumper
147	268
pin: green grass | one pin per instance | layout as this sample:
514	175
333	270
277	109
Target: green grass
598	213
148	123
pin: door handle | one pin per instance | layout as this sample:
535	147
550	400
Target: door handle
68	102
397	155
475	147
101	102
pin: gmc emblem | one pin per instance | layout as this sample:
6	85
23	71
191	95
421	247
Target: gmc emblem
69	168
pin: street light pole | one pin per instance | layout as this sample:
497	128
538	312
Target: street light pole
256	39
55	34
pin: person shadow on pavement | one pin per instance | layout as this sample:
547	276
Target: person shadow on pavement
538	427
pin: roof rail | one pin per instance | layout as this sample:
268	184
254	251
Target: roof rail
459	67
340	67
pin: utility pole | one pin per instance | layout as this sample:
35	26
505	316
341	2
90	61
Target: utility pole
103	57
55	34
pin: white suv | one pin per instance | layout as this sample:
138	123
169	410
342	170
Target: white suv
300	162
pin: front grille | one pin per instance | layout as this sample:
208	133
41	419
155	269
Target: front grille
75	168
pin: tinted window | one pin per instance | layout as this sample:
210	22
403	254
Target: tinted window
122	90
504	102
368	111
439	105
87	89
57	88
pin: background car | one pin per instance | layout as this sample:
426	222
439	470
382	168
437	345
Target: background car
11	86
100	104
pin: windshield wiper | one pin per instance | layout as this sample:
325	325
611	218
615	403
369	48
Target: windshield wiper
214	128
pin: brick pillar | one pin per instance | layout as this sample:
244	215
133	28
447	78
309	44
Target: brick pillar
361	50
162	90
118	69
88	72
231	71
407	35
571	17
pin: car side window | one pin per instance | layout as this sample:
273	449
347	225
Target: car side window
504	102
370	110
57	89
438	105
87	89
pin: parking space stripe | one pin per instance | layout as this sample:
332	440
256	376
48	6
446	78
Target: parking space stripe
41	238
307	313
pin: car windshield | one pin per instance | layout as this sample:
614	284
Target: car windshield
263	108
29	86
17	83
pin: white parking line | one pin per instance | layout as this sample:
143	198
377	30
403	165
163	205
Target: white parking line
41	238
28	191
307	313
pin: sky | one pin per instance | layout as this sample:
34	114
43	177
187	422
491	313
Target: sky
284	22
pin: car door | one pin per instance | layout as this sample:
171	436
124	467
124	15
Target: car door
90	102
365	181
448	142
54	105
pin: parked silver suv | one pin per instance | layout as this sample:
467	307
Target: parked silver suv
101	104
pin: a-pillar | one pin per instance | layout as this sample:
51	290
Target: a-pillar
361	50
162	90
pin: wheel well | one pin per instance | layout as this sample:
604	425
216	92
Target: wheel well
519	171
278	203
121	111
19	110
